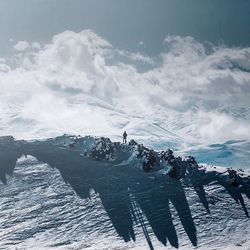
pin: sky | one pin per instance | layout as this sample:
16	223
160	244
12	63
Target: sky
164	70
126	23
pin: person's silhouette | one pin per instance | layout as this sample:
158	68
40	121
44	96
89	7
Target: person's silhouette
125	137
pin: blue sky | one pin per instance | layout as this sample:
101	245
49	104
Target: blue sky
126	23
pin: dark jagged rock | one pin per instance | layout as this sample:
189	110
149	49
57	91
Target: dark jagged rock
101	149
234	178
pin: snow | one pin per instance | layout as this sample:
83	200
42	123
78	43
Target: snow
59	196
188	95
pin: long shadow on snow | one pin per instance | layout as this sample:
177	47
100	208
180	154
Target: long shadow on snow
199	178
128	195
116	186
121	189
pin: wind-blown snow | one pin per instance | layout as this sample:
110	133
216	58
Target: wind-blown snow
192	93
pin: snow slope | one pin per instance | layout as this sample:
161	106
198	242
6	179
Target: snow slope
90	193
191	94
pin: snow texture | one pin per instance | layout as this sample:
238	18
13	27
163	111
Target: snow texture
73	192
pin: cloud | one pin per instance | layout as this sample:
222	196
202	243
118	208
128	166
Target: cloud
222	126
137	57
80	83
140	44
4	68
36	45
21	45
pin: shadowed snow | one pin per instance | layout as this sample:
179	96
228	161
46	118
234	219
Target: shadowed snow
84	192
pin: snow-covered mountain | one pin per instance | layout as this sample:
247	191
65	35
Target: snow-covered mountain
85	192
73	192
192	93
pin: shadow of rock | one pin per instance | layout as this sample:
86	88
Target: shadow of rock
236	193
153	200
10	151
129	196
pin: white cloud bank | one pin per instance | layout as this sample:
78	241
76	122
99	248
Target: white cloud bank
21	46
79	83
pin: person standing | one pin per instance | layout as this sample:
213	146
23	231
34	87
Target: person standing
125	137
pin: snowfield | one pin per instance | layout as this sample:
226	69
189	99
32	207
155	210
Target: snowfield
73	192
